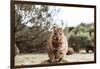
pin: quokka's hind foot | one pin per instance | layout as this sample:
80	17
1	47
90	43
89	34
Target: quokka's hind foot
62	61
56	61
51	62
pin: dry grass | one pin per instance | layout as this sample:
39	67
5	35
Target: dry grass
30	59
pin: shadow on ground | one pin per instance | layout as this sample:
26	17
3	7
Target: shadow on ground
48	62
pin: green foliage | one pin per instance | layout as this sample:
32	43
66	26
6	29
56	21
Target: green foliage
34	22
34	37
81	36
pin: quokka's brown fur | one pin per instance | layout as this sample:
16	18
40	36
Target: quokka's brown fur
57	45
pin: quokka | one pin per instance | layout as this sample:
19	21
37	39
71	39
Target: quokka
57	45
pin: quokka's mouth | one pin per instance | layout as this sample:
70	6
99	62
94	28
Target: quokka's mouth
57	41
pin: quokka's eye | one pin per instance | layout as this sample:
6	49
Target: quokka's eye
55	33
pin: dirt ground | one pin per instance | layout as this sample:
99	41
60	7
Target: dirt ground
32	59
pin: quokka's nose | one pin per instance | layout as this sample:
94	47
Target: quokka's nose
56	38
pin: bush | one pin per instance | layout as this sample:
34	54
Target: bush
70	51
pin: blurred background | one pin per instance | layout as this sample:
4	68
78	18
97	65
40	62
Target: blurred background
33	24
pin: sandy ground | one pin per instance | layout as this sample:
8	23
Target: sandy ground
30	59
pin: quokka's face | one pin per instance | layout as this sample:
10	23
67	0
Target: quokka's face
57	35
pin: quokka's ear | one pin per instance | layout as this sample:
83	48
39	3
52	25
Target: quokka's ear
54	27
